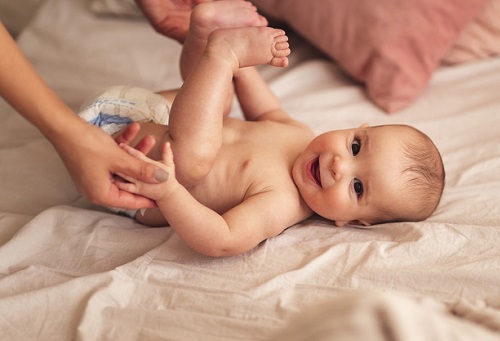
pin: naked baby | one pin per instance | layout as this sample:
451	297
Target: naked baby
234	183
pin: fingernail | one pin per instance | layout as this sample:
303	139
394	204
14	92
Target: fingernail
160	175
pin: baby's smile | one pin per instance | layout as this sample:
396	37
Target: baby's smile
314	172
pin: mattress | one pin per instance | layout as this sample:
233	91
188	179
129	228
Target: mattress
72	270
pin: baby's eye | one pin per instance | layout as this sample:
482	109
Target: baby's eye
356	146
358	188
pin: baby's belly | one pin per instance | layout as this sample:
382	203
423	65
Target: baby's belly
219	193
230	181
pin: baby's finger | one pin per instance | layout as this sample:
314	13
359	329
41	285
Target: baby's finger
125	177
168	155
127	186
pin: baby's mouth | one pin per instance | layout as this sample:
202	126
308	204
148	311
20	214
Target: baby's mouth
315	172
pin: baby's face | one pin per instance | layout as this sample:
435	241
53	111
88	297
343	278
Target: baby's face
351	175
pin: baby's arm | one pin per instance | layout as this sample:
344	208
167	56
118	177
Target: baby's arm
237	231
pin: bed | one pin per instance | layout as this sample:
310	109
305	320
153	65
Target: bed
72	270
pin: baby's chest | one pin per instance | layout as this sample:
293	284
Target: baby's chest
236	176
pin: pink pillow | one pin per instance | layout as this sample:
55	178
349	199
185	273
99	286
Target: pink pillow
393	46
480	39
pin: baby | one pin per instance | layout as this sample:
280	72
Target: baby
234	183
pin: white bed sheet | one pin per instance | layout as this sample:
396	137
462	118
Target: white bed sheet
69	269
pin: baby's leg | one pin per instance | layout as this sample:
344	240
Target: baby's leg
254	95
196	118
209	16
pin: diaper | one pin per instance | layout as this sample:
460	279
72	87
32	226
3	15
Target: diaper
118	106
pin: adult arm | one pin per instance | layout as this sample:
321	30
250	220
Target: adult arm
90	155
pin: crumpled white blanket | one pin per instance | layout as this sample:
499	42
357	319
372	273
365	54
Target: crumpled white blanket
388	317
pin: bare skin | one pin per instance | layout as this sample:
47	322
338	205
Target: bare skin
207	18
209	149
235	183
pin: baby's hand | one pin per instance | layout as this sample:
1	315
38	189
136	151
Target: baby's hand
151	191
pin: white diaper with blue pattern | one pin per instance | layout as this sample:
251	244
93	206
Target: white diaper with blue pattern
118	106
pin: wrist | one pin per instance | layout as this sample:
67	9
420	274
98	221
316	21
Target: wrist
172	193
67	129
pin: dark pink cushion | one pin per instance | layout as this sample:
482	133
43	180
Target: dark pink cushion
392	46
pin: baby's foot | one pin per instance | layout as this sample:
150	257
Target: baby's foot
250	46
210	16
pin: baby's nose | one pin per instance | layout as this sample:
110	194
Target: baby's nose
338	167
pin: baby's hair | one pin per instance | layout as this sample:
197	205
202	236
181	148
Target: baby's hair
423	176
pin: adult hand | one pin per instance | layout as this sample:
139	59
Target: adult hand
93	158
169	17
